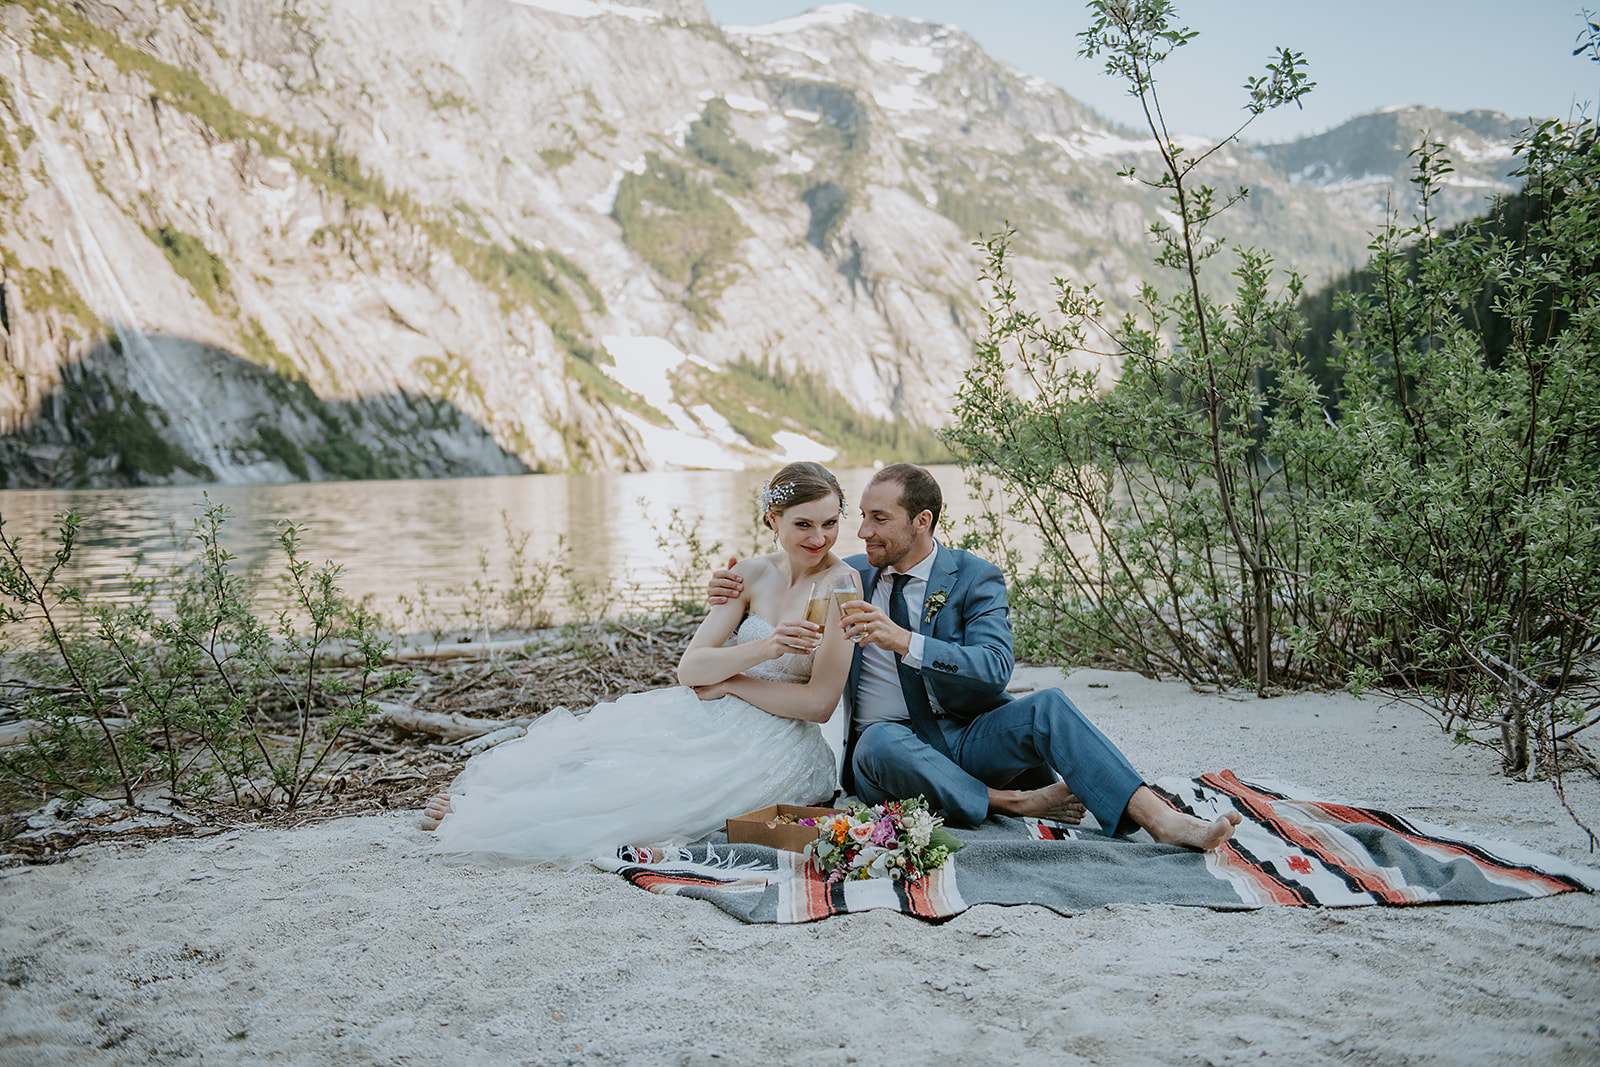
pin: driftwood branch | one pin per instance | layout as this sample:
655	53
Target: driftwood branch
456	727
439	653
16	733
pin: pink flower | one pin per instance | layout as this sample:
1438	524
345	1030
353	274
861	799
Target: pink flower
862	832
884	833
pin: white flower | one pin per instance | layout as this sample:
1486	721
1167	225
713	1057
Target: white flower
918	827
878	862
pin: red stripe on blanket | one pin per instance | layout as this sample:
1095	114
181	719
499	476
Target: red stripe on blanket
1259	806
1232	859
918	900
820	903
659	882
1540	883
1273	890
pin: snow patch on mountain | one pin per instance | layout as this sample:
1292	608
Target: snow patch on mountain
797	447
1478	151
588	9
827	15
699	437
902	98
916	56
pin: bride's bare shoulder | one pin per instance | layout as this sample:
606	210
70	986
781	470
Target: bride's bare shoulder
758	567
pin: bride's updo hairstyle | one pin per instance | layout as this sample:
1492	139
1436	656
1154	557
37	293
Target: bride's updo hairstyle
798	483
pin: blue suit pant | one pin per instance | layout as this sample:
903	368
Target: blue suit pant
1043	729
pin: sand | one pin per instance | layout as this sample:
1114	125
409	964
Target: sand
346	942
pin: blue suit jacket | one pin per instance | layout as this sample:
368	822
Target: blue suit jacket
966	659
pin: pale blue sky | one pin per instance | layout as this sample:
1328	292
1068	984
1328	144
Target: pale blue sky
1363	54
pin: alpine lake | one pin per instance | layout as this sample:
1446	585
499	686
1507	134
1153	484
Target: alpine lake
612	544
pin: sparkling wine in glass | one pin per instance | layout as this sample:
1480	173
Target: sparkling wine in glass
817	608
847	587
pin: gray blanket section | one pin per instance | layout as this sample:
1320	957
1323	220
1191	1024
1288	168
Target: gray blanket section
995	867
998	864
1457	881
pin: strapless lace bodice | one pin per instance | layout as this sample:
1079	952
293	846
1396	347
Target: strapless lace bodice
793	667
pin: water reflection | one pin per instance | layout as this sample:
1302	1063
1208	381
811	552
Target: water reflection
390	536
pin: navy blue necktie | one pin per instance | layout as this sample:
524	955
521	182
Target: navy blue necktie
923	724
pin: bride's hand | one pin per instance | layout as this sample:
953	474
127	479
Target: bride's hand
796	636
724	584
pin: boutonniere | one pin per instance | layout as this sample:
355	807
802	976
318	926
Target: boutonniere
936	601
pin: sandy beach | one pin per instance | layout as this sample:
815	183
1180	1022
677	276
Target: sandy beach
347	942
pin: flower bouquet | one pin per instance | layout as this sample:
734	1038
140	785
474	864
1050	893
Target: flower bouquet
895	839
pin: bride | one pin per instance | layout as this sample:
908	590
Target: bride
670	765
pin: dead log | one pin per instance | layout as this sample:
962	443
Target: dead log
16	733
488	741
456	727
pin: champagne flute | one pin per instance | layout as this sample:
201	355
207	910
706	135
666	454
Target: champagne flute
847	587
817	609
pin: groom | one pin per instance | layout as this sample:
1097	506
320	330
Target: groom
929	711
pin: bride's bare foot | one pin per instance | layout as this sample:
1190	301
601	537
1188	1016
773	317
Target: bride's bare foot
1052	802
437	809
1170	826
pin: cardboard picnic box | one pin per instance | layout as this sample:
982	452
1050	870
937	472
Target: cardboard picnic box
761	827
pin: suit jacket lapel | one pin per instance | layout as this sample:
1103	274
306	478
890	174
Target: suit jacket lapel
943	577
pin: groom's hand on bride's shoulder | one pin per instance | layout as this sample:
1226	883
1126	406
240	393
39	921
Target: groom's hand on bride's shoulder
724	585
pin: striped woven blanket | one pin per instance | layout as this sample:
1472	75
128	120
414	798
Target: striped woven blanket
1290	850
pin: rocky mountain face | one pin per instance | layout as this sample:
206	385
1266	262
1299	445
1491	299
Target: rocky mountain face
1364	166
248	241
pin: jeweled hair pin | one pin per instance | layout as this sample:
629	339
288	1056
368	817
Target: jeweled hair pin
775	496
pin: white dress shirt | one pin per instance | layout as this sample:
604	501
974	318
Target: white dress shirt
878	696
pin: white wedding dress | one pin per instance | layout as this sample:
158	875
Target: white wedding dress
661	767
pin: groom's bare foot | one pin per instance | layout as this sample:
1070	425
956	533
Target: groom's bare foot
1169	826
1052	802
437	809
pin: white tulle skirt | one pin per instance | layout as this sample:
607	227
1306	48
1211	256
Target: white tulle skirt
661	767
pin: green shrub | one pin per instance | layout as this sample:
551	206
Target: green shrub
759	400
274	443
202	697
556	158
710	139
260	350
342	456
63	25
1464	521
54	291
123	428
1220	515
206	274
1170	534
681	227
